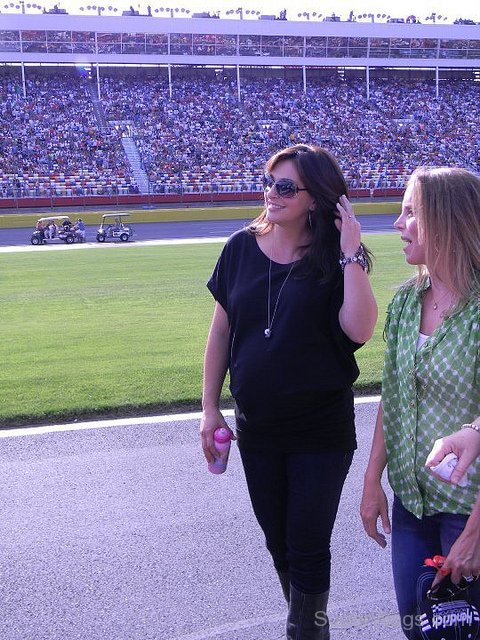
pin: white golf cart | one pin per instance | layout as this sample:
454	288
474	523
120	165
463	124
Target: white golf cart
113	228
54	229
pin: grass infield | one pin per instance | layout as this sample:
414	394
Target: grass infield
122	330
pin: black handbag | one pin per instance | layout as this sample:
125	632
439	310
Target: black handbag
447	612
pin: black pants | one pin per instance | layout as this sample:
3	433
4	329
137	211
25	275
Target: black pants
295	498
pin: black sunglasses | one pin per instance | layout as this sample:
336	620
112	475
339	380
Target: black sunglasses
285	187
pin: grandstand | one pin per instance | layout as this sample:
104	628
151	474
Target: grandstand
183	109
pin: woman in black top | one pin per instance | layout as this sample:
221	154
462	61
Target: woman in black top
293	303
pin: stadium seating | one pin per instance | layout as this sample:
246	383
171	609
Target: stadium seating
203	140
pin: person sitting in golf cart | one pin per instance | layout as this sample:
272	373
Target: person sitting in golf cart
52	229
112	228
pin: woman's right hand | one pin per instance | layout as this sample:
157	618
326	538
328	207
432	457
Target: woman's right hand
374	505
210	421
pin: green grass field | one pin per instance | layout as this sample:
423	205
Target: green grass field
122	329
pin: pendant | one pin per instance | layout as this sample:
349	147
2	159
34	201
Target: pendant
435	306
267	333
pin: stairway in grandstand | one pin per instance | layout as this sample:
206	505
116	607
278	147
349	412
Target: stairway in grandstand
128	144
135	161
97	107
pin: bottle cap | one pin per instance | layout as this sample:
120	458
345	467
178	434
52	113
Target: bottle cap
222	435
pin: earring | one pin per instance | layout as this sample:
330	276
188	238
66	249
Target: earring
310	219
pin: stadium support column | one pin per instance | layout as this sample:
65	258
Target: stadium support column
98	81
239	95
367	74
436	82
24	86
304	69
170	91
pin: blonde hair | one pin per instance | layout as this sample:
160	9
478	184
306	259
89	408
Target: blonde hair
447	205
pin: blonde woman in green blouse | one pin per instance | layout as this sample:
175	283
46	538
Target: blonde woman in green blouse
431	386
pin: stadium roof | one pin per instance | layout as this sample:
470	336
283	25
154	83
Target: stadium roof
53	38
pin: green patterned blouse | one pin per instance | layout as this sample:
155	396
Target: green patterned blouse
428	394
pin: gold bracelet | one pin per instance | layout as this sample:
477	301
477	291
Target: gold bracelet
472	425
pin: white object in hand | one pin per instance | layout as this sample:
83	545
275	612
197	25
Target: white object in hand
445	469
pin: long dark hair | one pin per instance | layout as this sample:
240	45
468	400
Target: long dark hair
322	176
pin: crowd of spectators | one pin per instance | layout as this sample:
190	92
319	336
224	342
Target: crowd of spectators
202	139
51	143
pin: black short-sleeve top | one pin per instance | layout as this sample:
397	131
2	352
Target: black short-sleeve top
292	390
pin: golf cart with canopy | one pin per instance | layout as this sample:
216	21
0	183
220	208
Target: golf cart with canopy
54	229
113	228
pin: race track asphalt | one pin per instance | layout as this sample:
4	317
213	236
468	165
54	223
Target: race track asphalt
190	229
118	532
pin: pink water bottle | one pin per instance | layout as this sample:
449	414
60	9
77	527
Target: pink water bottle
222	438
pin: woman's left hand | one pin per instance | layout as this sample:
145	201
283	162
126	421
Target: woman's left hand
358	313
348	226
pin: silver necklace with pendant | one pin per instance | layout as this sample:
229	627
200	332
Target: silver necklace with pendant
270	318
437	302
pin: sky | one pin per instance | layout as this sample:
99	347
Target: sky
451	9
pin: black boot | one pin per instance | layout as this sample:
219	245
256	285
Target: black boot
307	616
284	578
